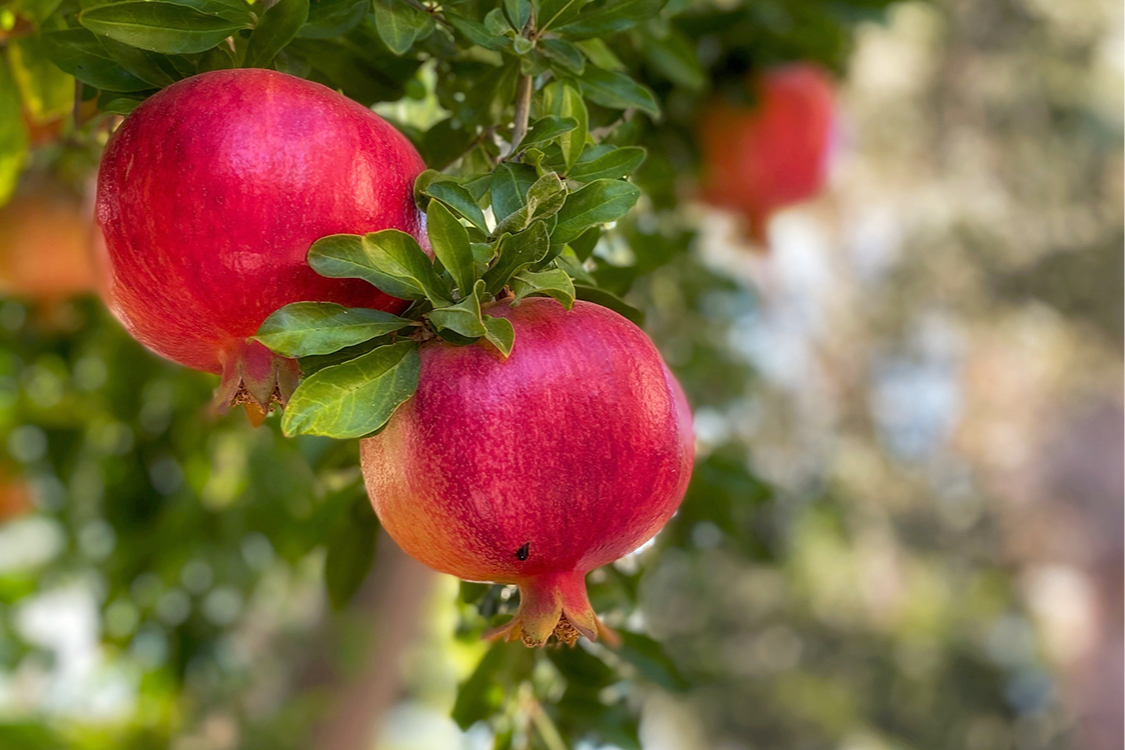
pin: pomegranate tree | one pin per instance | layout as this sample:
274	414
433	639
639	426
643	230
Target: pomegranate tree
209	196
758	159
538	468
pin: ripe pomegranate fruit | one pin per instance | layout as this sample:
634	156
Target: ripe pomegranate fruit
759	159
209	196
536	469
45	252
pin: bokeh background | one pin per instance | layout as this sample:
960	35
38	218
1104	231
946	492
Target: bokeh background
905	526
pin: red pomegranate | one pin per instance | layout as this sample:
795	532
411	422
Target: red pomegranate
762	158
209	196
536	469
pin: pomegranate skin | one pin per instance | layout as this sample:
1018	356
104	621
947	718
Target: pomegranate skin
536	469
210	194
760	159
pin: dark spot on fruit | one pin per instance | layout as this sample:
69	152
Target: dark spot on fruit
523	552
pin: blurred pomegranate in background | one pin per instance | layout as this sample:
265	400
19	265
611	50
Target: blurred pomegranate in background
774	153
45	245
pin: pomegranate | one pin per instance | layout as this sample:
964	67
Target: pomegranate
209	196
762	158
538	468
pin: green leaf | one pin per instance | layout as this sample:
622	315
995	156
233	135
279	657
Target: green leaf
546	129
501	669
612	17
510	183
566	101
599	202
331	18
544	198
450	242
616	163
158	27
390	259
518	11
152	67
553	13
617	91
675	57
399	24
612	301
13	137
464	318
518	251
232	10
459	199
499	333
304	329
568	57
78	52
277	28
477	33
553	283
357	397
116	104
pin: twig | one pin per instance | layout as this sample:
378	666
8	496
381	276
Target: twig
523	111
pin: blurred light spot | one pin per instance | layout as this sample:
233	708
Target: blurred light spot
197	576
1030	691
257	550
1011	641
706	535
149	647
121	618
166	475
89	373
27	443
97	539
145	589
44	387
710	426
223	605
48	493
30	542
413	726
173	607
114	438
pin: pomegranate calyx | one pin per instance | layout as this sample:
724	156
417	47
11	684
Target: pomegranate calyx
554	606
256	378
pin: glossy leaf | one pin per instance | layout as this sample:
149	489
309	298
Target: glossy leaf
499	333
517	252
510	183
566	101
463	318
611	17
553	282
450	243
615	163
565	54
277	28
459	199
159	27
617	91
357	397
304	329
544	198
391	260
555	13
599	202
399	24
612	301
547	129
78	52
